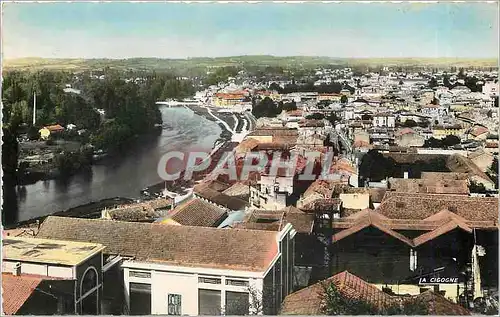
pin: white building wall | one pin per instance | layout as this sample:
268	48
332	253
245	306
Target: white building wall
39	269
164	283
58	271
187	285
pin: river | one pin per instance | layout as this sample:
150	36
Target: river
124	176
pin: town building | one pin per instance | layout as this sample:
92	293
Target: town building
50	130
183	270
74	268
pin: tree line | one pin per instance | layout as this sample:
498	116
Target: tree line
127	98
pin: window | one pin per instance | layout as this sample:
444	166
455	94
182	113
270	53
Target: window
175	304
89	281
140	299
413	260
209	302
209	280
140	274
237	303
237	283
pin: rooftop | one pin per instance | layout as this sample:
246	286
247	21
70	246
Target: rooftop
16	290
431	186
198	212
48	250
308	301
248	250
420	206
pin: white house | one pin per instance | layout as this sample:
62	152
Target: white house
79	264
490	88
384	120
272	191
182	270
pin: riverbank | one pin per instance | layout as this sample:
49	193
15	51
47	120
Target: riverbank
39	159
222	145
90	210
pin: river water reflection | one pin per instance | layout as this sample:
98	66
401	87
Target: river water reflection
124	176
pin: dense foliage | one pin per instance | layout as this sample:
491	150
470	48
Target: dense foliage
127	98
449	140
265	108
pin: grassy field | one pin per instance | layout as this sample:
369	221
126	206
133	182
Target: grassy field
260	60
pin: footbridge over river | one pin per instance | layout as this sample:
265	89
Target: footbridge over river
175	103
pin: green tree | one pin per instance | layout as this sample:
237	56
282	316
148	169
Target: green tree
333	118
451	140
409	123
315	116
344	99
289	106
475	187
265	108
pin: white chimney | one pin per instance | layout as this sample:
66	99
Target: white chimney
17	269
405	175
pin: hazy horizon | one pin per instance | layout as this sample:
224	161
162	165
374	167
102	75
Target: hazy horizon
212	30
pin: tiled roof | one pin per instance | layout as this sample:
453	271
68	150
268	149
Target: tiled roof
405	131
420	206
16	290
249	250
321	187
53	128
275	220
478	130
274	132
323	204
198	212
442	176
429	186
309	300
146	211
239	190
207	192
438	305
461	164
366	222
246	145
428	236
377	194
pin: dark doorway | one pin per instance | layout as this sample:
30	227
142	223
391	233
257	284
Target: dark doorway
89	304
140	299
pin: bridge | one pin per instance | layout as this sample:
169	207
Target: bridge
175	103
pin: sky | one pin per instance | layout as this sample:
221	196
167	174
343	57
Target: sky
181	30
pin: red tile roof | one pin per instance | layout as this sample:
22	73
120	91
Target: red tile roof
275	220
420	206
16	290
309	300
198	212
438	305
432	227
430	186
405	131
478	130
54	128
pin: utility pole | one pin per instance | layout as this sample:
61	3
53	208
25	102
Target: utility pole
34	108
